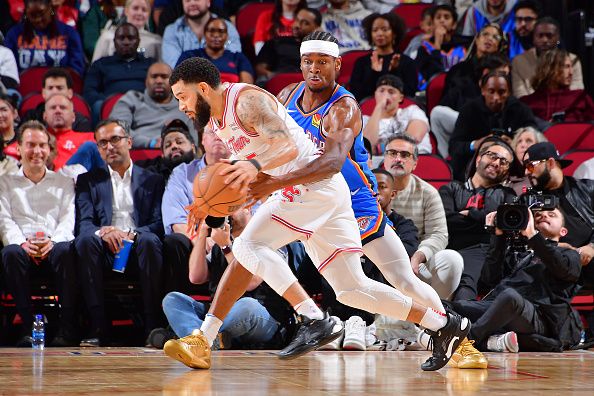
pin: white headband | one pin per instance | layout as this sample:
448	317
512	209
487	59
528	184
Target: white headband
320	47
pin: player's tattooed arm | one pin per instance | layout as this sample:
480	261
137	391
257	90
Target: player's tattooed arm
340	123
257	112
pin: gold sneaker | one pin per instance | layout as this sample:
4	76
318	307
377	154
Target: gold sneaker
192	350
468	357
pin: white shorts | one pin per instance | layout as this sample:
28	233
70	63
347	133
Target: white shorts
318	214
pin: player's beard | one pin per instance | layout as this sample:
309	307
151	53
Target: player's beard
202	111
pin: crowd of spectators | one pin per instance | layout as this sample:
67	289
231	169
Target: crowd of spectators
71	195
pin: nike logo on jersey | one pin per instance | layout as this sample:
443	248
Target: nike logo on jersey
353	193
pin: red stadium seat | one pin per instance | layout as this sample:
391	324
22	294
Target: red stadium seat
433	169
33	100
140	154
245	22
32	79
81	106
281	80
578	157
229	77
348	64
410	13
368	104
435	89
30	102
108	105
571	136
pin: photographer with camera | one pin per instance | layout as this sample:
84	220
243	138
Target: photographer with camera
467	204
528	306
544	169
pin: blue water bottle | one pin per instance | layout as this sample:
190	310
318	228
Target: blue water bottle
38	334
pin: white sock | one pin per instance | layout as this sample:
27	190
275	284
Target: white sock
210	327
309	309
434	320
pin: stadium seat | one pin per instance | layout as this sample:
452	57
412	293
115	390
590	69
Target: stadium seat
247	15
571	136
435	89
32	79
30	102
578	157
348	64
229	77
281	80
410	13
433	169
108	104
368	104
34	99
142	154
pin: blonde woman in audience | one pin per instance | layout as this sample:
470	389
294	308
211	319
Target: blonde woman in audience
136	12
523	138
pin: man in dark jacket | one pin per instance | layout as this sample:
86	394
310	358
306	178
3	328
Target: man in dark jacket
494	112
114	204
531	292
466	206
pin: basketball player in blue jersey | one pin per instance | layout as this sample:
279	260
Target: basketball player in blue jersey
316	210
327	112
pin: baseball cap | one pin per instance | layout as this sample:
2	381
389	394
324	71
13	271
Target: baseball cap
543	151
391	80
176	125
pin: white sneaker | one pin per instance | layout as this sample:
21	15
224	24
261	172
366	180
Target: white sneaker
370	335
354	334
507	342
334	345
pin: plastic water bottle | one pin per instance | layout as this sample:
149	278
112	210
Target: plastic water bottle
38	334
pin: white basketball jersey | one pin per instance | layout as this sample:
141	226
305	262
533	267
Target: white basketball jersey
245	144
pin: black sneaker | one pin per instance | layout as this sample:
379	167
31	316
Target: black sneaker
159	336
446	340
311	334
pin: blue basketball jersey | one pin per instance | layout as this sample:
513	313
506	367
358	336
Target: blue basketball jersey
360	179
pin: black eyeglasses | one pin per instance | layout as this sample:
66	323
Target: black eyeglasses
525	19
503	162
114	140
395	153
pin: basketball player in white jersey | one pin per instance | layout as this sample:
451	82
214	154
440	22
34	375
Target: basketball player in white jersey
264	138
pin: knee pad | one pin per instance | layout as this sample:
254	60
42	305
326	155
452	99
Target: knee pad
358	299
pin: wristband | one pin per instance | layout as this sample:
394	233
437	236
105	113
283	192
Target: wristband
226	250
252	161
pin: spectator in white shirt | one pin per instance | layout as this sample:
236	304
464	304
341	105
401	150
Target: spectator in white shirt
37	229
388	118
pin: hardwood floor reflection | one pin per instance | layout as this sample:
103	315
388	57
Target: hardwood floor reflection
147	371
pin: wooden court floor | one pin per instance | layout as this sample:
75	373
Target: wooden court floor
142	371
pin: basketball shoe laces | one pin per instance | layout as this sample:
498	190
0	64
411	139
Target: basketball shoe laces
195	340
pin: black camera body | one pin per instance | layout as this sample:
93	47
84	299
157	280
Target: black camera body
513	217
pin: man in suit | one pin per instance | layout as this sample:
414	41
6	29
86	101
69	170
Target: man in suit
113	204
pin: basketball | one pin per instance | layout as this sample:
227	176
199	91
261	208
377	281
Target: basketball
212	195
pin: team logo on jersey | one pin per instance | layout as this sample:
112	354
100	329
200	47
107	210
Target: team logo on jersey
236	144
315	120
364	222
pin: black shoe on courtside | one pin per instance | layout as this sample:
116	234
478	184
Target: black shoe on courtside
310	335
446	340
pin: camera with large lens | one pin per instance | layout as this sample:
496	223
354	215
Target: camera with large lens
513	217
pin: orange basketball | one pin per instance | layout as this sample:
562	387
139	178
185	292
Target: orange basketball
212	195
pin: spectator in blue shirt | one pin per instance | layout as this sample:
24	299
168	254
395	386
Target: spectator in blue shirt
187	32
122	72
41	40
216	35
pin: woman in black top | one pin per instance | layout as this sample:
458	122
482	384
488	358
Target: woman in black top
384	32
